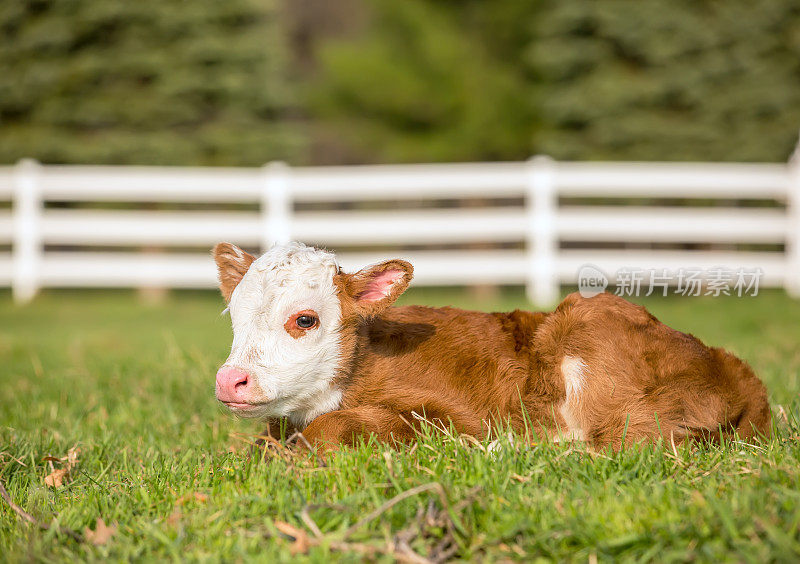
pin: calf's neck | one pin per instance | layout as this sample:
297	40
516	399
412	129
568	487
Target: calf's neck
327	350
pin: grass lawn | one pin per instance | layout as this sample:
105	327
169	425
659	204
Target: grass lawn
132	386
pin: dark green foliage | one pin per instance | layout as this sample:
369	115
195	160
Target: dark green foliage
667	80
576	79
421	84
148	81
237	83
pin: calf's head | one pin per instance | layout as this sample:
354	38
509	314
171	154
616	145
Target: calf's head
292	310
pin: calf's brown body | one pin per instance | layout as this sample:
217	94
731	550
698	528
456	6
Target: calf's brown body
640	378
597	369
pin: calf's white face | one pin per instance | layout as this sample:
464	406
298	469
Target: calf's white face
286	318
287	313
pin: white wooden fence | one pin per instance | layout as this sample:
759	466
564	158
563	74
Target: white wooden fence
45	242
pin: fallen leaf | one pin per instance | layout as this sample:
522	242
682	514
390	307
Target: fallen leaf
60	476
300	544
57	477
101	534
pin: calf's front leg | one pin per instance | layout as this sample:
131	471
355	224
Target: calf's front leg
344	426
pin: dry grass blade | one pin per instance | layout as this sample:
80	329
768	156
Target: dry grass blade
32	520
473	441
399	547
374	514
403	550
782	415
268	447
12	457
301	542
17	509
300	437
372	551
468	498
309	522
672	443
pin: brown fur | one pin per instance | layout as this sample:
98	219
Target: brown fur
232	264
637	378
470	370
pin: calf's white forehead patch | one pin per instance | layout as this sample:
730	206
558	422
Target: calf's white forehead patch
294	375
285	272
295	258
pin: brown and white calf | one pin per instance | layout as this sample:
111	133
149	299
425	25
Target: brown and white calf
324	349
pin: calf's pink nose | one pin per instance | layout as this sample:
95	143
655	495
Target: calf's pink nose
232	384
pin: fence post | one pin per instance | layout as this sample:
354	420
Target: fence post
276	206
27	243
792	281
542	245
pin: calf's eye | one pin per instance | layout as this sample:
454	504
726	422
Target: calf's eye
298	324
306	321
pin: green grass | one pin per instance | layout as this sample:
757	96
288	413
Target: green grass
132	385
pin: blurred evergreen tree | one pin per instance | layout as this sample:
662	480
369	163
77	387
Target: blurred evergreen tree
668	79
145	81
423	83
208	82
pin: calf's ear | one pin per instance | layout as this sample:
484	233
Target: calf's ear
232	263
374	288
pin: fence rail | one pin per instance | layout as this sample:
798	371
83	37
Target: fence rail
546	236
